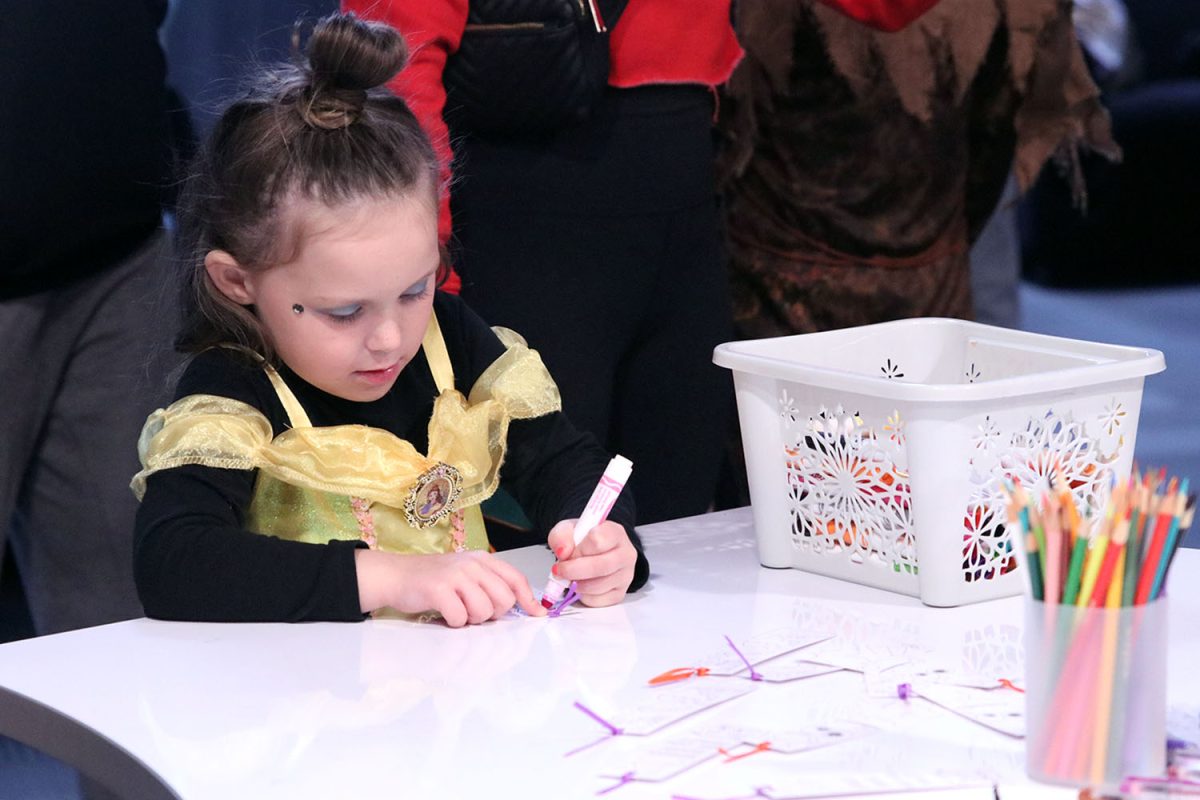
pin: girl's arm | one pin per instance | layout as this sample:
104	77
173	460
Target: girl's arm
194	561
552	469
193	558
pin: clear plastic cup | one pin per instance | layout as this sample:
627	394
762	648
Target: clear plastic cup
1095	693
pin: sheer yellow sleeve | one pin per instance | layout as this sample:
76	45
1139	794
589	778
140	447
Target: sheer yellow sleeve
201	429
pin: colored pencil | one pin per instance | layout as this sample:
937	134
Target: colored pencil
1118	581
1035	567
1169	545
1068	503
1018	525
1133	549
1184	524
1069	712
1104	687
1053	546
1094	558
1154	495
1154	550
1104	577
1075	570
1033	524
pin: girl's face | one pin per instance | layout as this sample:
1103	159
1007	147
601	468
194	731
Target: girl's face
350	311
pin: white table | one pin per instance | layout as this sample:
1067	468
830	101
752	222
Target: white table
400	709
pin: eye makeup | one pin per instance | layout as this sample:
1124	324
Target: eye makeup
417	290
346	313
352	311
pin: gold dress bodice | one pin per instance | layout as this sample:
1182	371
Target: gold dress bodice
317	484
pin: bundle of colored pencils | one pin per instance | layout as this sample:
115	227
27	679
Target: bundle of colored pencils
1120	558
1095	673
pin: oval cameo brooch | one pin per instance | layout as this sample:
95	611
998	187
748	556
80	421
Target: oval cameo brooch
433	495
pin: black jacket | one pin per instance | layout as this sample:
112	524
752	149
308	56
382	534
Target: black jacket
84	137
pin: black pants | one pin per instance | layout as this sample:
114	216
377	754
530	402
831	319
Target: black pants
601	245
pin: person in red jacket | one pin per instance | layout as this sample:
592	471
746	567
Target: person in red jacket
601	241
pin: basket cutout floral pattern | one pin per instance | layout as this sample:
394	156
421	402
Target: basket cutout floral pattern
848	487
850	494
1046	450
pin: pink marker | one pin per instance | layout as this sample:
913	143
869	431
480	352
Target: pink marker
596	511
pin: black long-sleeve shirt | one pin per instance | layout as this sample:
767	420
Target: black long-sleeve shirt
193	558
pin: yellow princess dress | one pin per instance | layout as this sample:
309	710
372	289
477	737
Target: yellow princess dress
317	484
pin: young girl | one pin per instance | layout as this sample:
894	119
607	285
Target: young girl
341	420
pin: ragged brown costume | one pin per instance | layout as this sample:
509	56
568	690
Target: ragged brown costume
860	165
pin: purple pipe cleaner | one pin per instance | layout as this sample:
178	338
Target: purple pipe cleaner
570	597
754	676
624	779
613	729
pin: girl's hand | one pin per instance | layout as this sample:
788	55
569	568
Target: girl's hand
471	586
602	566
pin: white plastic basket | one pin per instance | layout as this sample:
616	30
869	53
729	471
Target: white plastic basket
877	454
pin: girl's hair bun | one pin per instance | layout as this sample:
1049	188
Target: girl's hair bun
347	57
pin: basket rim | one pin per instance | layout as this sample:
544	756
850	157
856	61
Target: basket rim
1110	363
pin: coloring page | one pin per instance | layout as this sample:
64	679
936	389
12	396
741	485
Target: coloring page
660	758
860	656
874	783
787	739
1183	723
758	649
791	667
999	709
885	683
659	707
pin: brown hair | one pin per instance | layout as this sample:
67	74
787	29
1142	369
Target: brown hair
324	130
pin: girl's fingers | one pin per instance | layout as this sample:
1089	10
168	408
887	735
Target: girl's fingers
528	603
604	537
522	593
606	584
500	593
561	540
609	598
451	607
475	599
582	568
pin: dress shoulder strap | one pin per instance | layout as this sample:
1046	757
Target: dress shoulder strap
296	415
437	356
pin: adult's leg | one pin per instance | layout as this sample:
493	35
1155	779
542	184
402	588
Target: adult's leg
74	530
996	264
673	403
